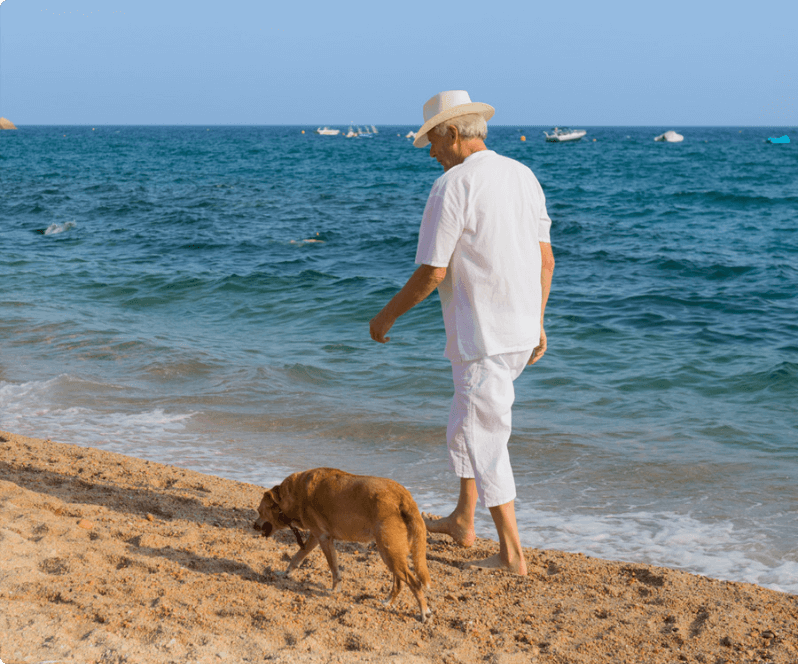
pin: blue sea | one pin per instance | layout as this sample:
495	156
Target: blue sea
200	296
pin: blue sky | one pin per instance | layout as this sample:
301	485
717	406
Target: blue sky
310	63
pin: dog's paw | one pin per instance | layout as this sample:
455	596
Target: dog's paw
426	615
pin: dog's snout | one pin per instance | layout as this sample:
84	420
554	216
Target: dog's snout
263	526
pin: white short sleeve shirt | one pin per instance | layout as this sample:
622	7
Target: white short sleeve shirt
483	221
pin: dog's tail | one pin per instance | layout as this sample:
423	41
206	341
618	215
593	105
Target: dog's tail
417	532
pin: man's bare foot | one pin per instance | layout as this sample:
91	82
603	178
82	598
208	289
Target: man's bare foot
462	533
495	562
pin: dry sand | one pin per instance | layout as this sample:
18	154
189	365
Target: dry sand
108	558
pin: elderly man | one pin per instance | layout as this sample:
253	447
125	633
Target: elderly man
484	244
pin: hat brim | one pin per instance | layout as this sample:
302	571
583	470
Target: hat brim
485	110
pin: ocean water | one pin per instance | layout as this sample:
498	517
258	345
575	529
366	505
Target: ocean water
201	295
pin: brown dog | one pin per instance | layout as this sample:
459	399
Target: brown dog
334	505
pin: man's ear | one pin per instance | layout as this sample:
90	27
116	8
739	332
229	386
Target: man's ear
452	134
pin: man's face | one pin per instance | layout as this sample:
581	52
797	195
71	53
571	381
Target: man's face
442	149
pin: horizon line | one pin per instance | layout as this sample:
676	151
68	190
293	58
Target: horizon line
514	125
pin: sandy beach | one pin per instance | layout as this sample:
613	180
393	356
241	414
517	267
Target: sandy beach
108	558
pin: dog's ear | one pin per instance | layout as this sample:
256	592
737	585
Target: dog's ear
286	494
269	498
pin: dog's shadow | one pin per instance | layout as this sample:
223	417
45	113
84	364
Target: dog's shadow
317	579
178	498
215	565
306	586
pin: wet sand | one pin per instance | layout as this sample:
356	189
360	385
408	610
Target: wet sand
108	558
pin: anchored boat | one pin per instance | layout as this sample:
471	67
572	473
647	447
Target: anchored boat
560	135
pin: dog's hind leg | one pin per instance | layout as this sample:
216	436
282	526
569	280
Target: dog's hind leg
417	540
396	560
417	589
394	555
300	555
417	535
396	588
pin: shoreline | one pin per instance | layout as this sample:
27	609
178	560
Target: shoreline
108	558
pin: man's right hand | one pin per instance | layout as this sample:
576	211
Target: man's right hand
540	349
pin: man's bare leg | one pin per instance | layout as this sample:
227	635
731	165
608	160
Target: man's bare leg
459	525
510	556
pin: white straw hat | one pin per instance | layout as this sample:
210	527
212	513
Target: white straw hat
445	106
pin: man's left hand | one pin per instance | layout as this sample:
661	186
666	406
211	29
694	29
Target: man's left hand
422	282
379	326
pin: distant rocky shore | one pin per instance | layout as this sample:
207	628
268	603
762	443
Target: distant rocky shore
5	123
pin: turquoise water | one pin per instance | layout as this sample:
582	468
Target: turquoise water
201	296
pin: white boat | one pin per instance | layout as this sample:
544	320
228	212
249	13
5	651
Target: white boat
559	135
351	133
326	131
670	137
410	134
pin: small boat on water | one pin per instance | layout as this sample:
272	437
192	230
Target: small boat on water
560	135
670	137
357	131
326	131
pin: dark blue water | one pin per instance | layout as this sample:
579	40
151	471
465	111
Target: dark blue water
201	296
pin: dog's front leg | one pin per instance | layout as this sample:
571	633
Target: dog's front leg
300	555
328	546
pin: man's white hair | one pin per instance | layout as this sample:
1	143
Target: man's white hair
472	125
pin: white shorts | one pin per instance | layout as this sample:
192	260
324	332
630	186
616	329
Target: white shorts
480	423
